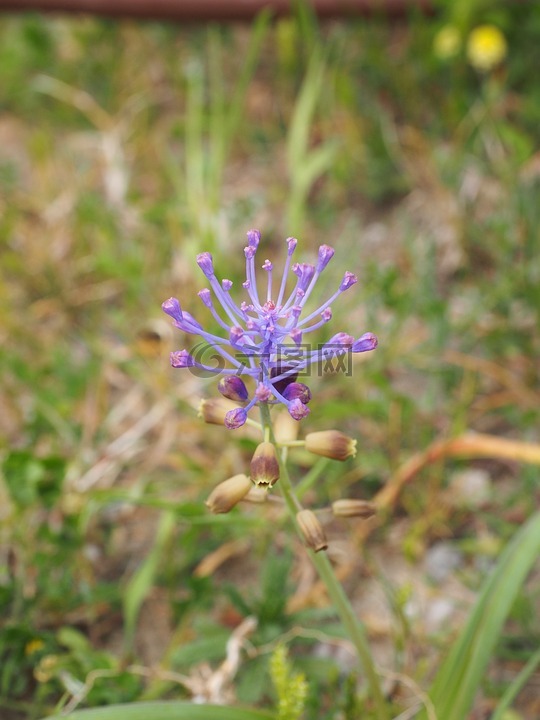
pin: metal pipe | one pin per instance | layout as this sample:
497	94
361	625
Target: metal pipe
187	11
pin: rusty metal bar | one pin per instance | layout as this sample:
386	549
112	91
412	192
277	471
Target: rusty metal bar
218	10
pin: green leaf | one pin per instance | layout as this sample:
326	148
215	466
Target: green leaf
515	686
298	137
458	679
166	711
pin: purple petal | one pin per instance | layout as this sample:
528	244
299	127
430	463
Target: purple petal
348	279
254	238
172	308
206	297
291	245
304	272
181	359
368	341
326	253
204	261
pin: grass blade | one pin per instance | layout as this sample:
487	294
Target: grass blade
515	686
458	679
166	711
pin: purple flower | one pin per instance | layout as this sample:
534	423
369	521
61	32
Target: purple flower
264	336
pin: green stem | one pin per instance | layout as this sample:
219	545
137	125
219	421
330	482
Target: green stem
343	607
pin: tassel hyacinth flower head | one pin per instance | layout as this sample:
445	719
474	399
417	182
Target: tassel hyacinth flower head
264	336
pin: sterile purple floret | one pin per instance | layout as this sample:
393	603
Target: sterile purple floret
263	338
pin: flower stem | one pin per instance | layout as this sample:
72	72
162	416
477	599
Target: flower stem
353	626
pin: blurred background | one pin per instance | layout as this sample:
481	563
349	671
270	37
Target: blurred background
409	144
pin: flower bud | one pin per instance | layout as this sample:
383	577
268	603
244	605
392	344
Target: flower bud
213	411
297	390
368	341
297	409
285	428
264	467
232	387
235	418
228	494
331	444
350	507
312	530
204	261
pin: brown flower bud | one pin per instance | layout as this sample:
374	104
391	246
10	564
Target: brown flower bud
264	467
228	494
285	427
331	444
312	530
349	507
214	410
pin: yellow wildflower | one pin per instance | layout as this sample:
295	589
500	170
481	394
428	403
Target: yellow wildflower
447	42
33	646
486	48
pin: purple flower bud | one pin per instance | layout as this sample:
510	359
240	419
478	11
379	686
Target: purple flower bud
267	265
349	279
297	409
326	253
297	390
204	261
296	336
235	418
368	341
254	238
226	285
172	308
181	359
232	387
249	252
206	297
291	245
304	272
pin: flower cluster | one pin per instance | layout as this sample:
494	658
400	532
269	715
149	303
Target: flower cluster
264	336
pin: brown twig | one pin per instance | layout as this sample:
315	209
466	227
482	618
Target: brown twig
470	445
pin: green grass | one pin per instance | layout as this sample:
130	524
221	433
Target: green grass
126	149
